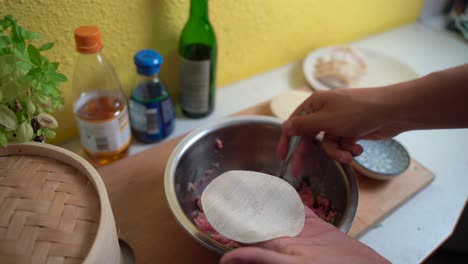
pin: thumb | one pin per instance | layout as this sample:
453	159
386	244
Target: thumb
254	255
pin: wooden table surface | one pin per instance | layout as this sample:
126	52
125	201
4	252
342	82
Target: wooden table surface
135	186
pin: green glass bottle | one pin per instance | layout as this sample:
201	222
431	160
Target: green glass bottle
197	50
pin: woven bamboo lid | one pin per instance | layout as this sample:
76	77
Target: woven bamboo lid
50	209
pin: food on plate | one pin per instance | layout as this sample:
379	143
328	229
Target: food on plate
340	67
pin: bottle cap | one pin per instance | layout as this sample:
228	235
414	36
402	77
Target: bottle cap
148	62
88	39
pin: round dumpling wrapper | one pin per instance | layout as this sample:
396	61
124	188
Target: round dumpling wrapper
250	207
283	105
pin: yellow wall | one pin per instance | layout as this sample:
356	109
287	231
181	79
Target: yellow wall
253	35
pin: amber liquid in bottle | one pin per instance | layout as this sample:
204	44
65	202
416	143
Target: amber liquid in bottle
101	109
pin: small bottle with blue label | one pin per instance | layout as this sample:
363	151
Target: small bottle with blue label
152	116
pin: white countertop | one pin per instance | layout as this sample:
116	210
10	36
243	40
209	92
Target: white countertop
420	225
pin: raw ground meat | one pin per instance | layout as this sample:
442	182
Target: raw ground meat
219	143
319	204
203	225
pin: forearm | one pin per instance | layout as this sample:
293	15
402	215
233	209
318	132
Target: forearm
437	100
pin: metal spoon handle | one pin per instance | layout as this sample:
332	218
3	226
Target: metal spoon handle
293	143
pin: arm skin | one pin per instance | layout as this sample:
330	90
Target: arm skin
435	101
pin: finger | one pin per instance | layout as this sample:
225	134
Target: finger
349	144
254	255
309	125
312	104
331	145
283	143
356	150
347	141
297	163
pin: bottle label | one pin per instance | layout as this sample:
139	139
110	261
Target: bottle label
154	119
195	85
107	136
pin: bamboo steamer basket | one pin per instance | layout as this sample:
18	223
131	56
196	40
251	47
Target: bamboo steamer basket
54	208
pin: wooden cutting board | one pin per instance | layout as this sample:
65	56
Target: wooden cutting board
136	190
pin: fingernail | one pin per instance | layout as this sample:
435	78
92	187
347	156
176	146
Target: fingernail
357	150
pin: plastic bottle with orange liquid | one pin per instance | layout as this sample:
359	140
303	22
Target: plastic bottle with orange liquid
99	104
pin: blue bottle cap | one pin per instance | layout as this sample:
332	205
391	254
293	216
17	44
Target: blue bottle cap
148	62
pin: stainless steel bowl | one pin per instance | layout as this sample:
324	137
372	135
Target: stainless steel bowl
249	143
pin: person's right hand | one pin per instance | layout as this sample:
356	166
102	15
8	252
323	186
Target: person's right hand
345	115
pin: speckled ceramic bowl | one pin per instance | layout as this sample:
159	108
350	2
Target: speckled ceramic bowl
382	159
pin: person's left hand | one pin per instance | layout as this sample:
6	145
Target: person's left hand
319	242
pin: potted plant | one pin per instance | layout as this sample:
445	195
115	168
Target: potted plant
29	86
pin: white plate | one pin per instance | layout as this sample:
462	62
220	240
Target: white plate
382	69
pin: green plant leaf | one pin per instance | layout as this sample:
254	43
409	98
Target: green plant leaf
58	77
7	65
8	118
30	106
27	78
23	67
9	90
4	41
21	54
50	134
39	109
6	50
17	38
53	66
35	74
25	132
34	55
46	46
8	21
44	100
29	35
46	132
48	89
22	116
4	24
3	139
